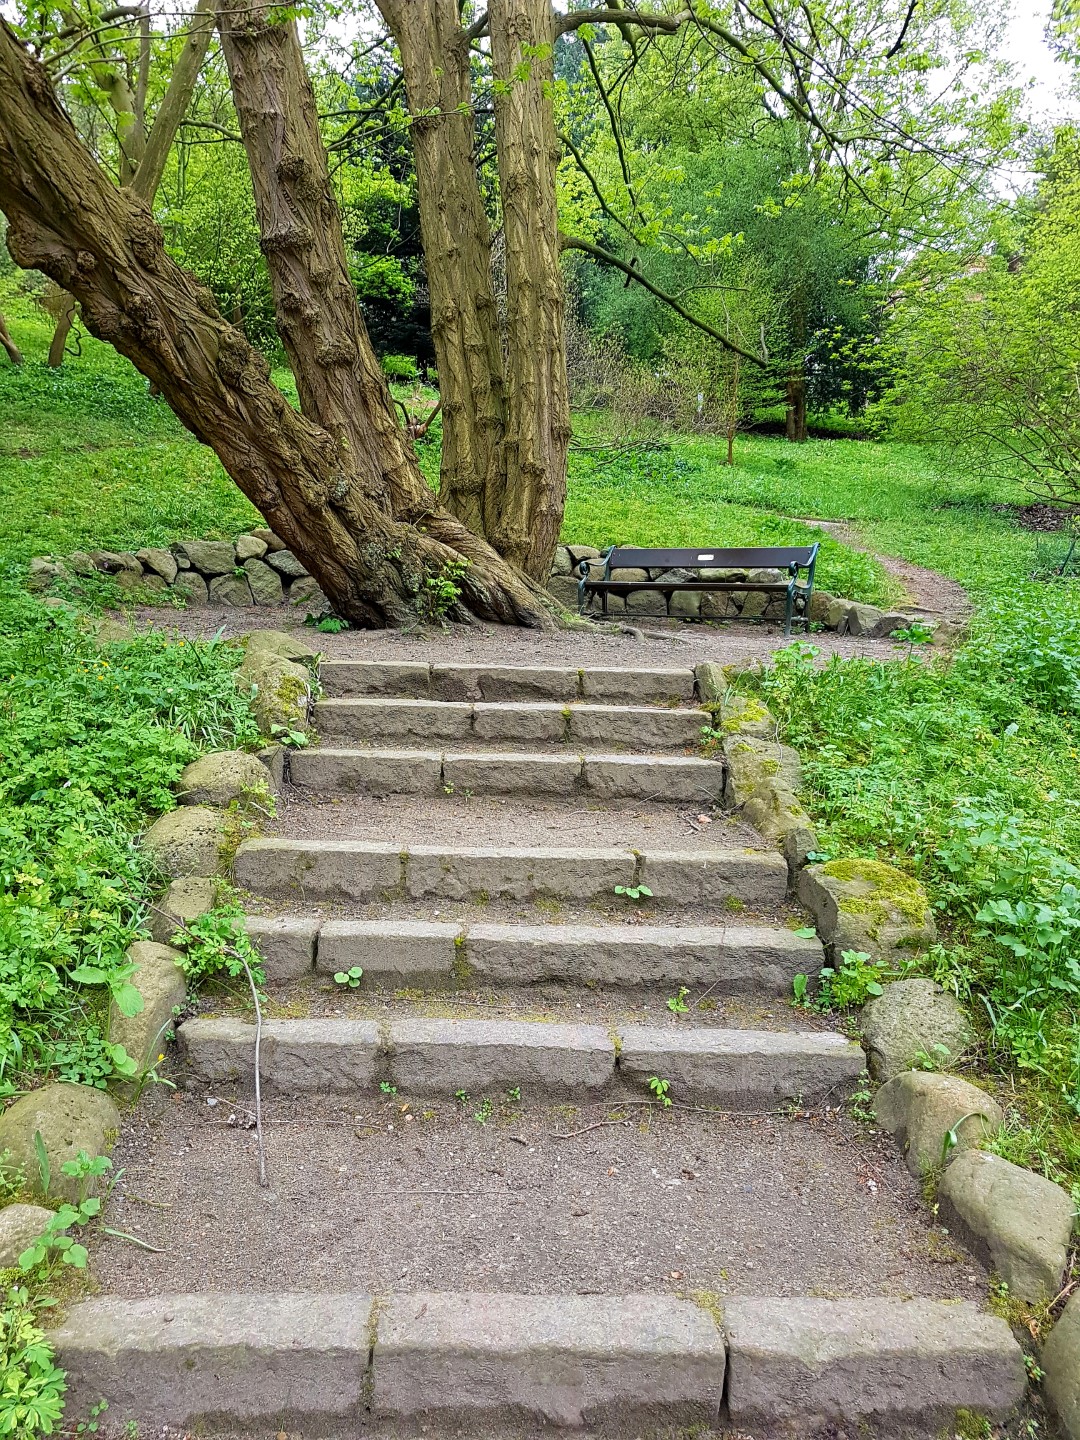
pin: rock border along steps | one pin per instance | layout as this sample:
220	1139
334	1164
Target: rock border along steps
357	1364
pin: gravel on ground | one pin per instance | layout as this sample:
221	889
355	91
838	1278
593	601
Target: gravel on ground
663	643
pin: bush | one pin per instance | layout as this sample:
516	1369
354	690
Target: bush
400	367
965	771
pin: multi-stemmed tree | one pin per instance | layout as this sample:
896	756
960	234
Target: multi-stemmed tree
339	481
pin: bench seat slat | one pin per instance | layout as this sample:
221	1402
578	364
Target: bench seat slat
718	558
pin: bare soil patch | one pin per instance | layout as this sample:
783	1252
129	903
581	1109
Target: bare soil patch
374	1197
517	821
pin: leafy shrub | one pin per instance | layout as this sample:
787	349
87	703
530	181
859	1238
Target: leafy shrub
400	367
855	980
965	771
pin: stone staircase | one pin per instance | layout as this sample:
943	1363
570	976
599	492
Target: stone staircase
514	968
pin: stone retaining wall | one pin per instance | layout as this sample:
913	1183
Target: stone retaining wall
255	569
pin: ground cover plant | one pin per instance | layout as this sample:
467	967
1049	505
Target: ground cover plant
92	739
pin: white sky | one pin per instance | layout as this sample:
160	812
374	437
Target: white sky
1027	49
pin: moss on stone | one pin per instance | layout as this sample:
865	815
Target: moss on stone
460	969
891	887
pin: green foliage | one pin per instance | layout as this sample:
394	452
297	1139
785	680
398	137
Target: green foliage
55	1243
350	978
677	1003
634	892
987	361
218	944
31	1385
855	980
88	459
400	367
92	739
661	1090
442	590
964	771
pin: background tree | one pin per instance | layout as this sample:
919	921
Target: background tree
988	362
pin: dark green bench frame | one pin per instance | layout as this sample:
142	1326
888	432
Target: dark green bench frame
790	558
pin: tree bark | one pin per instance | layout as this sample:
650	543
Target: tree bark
457	255
65	319
14	354
537	393
326	499
795	418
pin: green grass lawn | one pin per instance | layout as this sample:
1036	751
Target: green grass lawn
964	770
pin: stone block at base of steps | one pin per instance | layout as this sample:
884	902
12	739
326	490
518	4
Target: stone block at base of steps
607	685
730	959
642	727
328	770
336	1364
744	1070
343	870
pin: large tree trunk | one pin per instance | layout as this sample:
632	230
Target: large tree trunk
327	499
457	255
537	392
14	354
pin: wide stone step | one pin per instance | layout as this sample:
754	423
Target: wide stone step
674	778
441	955
617	1364
543	722
743	1070
353	870
417	680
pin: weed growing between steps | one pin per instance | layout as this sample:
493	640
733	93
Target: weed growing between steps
92	739
965	770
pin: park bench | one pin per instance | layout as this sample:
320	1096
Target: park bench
714	570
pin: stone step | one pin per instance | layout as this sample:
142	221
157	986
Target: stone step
659	778
417	680
738	1070
443	955
538	722
477	1363
353	870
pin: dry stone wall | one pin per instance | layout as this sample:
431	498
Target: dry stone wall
253	570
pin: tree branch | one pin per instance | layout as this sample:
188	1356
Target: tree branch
605	257
898	45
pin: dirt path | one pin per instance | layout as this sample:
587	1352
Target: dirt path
928	592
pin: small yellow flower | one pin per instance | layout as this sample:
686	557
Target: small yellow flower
161	1056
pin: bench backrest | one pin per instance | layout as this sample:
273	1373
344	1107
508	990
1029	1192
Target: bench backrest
775	557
